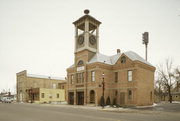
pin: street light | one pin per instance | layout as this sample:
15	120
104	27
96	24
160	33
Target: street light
103	90
145	37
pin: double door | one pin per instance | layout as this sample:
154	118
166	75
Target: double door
80	98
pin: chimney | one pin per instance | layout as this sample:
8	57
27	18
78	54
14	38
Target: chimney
118	51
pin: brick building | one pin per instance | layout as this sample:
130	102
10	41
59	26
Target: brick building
127	78
39	89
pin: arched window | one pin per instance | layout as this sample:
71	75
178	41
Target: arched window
123	59
92	96
130	94
80	63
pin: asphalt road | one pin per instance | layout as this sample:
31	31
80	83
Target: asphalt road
34	112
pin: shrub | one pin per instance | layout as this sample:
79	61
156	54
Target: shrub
108	101
102	101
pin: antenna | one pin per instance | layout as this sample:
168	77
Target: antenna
145	40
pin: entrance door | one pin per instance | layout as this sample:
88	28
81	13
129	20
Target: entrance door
92	96
122	98
71	98
80	98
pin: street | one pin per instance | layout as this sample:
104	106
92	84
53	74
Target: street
47	112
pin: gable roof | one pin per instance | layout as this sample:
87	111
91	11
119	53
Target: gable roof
111	60
45	77
135	57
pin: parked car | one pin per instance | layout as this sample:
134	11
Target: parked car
6	100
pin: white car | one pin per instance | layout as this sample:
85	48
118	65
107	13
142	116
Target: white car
6	100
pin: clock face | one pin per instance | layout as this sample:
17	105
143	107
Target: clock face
92	39
81	39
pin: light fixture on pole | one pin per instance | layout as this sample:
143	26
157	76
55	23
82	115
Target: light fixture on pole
145	41
103	83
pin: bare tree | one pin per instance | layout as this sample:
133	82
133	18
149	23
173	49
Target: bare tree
165	72
159	88
177	78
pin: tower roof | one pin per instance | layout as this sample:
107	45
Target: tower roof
86	16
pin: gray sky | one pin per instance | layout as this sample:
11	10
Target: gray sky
38	35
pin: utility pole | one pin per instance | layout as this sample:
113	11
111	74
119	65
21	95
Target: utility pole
145	41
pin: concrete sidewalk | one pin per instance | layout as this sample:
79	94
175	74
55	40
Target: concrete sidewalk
88	107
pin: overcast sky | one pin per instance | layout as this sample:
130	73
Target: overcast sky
38	35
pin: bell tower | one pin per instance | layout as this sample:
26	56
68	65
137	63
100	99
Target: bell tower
86	37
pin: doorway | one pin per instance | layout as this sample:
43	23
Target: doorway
71	98
92	97
80	98
122	98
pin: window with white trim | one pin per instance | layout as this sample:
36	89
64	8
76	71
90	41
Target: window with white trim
130	94
130	75
54	86
92	76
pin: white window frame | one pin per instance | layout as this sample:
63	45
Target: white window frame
93	76
130	75
54	86
72	79
130	97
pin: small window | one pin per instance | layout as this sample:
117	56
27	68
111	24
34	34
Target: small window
116	76
123	59
129	75
42	95
50	95
57	95
129	94
93	76
116	93
151	96
80	63
54	86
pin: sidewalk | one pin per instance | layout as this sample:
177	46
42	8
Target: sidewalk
88	107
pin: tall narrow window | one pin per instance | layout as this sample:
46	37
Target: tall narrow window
77	81
57	95
129	94
116	93
116	76
71	79
82	78
42	95
93	76
123	59
129	75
